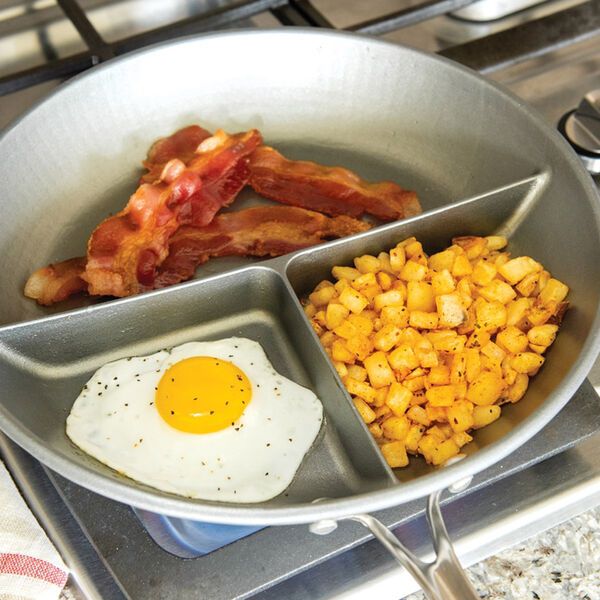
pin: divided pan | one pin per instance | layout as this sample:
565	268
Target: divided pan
481	161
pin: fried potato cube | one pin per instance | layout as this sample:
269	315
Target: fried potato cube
484	415
512	340
364	410
473	245
395	428
341	368
348	273
423	320
516	269
362	322
317	327
378	370
413	271
403	357
353	300
416	383
367	264
516	311
501	259
346	329
414	435
419	415
310	310
394	315
491	315
478	338
384	280
539	314
483	273
382	412
322	296
442	282
360	345
427	444
328	338
517	390
499	291
376	431
440	395
323	284
538	349
458	367
413	248
439	375
380	396
387	337
461	438
472	364
554	291
486	389
397	258
398	398
394	454
437	432
419	296
528	285
427	358
357	372
364	281
371	291
444	451
442	261
496	242
340	353
450	310
360	388
542	335
493	351
393	297
341	285
384	261
335	314
461	266
527	362
460	416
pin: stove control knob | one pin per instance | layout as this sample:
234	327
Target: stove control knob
581	128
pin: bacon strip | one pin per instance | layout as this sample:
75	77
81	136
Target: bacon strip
259	231
57	281
125	249
332	190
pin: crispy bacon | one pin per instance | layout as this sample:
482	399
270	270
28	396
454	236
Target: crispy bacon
125	249
57	281
182	145
259	231
332	190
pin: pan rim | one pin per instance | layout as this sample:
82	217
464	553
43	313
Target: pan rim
128	491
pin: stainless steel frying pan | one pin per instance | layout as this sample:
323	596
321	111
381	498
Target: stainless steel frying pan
479	158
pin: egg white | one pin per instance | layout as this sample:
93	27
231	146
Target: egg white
114	419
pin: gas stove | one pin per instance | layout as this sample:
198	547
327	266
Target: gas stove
546	52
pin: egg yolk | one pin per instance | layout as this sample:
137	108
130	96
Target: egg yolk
202	394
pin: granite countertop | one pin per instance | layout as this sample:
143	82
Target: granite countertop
562	563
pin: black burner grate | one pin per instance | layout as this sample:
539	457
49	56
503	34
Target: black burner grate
531	39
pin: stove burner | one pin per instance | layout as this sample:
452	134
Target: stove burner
581	128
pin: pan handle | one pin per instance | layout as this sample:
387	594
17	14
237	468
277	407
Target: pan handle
442	579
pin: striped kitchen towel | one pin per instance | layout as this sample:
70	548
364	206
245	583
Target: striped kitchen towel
30	566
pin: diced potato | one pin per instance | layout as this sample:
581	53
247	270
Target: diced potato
460	389
493	351
364	410
419	415
364	281
317	327
423	320
458	368
554	291
353	300
403	357
442	282
484	415
383	411
415	433
339	352
341	285
472	245
484	273
413	248
360	388
384	261
413	271
538	349
320	318
542	335
517	390
440	395
395	454
310	310
437	432
394	315
450	310
427	445
498	291
328	338
387	337
397	258
367	264
362	322
427	358
439	375
357	372
323	284
479	337
460	415
528	285
501	259
490	315
378	370
461	266
384	280
496	242
415	384
419	296
360	345
516	269
461	438
512	339
346	329
398	399
341	368
472	364
527	362
486	389
393	297
335	314
539	314
380	396
345	273
376	431
444	451
395	428
322	296
516	311
442	261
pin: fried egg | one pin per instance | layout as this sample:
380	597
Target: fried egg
210	420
